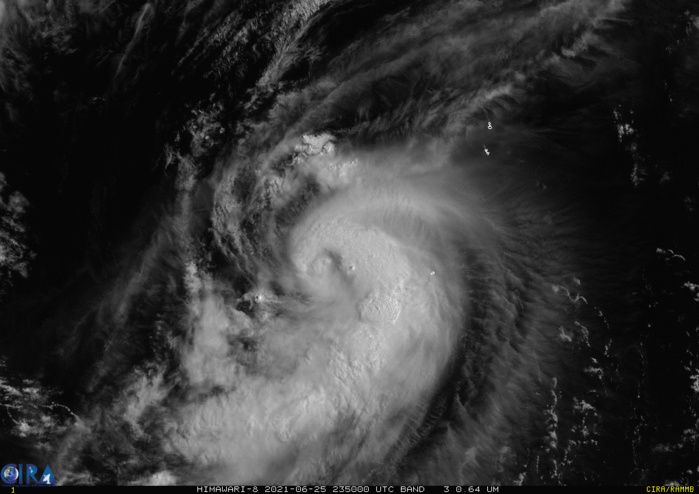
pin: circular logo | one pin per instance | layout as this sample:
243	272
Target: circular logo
10	475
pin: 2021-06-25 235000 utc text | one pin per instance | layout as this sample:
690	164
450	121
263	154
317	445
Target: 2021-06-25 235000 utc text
347	489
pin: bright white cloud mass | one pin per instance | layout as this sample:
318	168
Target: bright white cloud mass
346	242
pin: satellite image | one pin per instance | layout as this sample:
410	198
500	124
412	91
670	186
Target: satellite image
354	242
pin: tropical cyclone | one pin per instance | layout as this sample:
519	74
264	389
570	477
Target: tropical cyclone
354	331
372	242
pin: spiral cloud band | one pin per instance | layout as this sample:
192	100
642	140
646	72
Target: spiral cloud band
336	241
357	311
